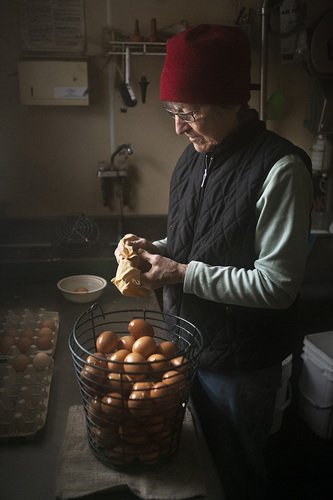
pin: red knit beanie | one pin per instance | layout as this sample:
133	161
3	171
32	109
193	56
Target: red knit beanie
207	64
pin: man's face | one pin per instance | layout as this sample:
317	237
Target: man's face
211	125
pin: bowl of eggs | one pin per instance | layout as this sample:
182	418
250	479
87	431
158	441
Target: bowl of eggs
82	288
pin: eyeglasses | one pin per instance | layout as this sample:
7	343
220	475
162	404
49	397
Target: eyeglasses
186	117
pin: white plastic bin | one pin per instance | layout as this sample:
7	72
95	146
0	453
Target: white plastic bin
316	383
283	397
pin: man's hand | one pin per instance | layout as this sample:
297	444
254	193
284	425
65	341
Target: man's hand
139	243
162	271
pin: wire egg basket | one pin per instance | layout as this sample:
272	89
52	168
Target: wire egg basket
134	409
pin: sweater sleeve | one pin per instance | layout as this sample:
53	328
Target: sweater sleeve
282	231
161	245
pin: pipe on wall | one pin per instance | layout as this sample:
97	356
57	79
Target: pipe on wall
265	12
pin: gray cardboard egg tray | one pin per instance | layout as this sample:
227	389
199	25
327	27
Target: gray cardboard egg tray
24	396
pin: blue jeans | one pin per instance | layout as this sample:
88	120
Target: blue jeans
236	412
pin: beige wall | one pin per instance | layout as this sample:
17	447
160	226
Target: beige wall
49	155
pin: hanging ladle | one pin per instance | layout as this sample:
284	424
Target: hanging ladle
125	87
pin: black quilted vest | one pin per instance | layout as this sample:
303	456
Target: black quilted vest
215	224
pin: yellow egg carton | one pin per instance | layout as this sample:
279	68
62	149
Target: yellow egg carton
27	345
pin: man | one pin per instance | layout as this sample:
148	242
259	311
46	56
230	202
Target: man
235	252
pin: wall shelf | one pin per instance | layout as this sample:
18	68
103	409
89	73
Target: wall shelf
136	48
112	173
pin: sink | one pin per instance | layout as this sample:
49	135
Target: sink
30	254
44	264
48	271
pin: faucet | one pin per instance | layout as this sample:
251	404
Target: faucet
119	157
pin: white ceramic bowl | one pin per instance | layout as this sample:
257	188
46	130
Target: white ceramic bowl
70	286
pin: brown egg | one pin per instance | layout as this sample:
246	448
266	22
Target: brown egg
174	379
164	436
112	404
181	364
94	372
154	423
122	454
94	410
168	441
43	343
49	323
140	404
41	361
126	342
97	359
119	382
20	362
95	368
161	393
106	342
132	432
92	378
167	348
144	345
81	289
139	328
6	343
88	387
149	453
45	332
158	363
143	387
115	360
136	366
11	332
23	344
29	333
106	435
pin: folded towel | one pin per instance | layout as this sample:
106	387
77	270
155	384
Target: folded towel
81	473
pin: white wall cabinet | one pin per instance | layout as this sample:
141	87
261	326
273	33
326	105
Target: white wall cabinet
53	83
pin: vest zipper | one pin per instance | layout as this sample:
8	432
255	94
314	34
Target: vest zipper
208	162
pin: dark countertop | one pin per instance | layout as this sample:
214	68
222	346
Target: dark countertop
28	467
